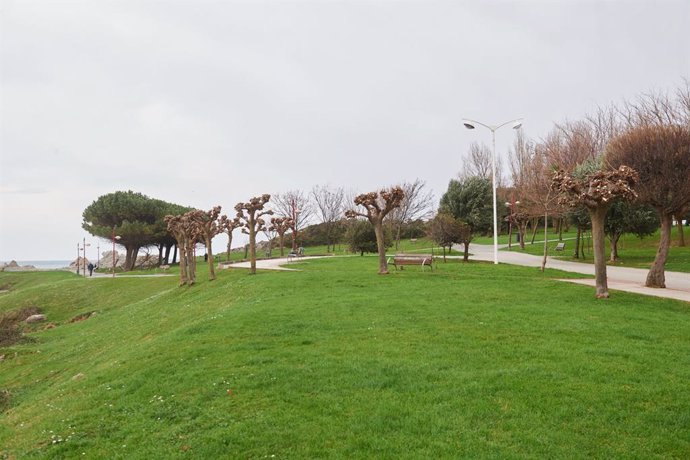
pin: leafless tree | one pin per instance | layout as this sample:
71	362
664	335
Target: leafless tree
661	155
250	214
416	205
520	157
329	204
297	205
596	191
538	198
477	161
376	207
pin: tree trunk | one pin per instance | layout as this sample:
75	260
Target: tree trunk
160	254
561	223
252	248
614	247
130	257
546	240
598	215
656	277
211	267
281	242
578	239
166	258
175	255
522	231
466	253
679	224
191	264
444	254
229	249
535	227
380	243
183	262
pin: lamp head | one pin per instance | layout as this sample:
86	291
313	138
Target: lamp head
468	125
518	124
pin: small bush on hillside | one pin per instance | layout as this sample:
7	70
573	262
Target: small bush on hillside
10	332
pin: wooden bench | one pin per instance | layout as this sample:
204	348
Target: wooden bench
412	259
560	246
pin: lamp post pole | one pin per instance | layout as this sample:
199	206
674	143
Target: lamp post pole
469	124
511	207
78	253
295	212
83	247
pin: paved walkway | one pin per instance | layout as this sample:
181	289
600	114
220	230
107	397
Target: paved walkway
619	278
282	263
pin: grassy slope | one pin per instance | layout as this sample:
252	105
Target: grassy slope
471	360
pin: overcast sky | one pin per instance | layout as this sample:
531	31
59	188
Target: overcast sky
212	102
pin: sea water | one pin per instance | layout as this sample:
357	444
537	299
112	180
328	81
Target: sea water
44	264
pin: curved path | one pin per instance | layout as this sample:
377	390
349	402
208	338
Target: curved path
271	264
619	278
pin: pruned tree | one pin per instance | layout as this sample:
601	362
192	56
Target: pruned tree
250	214
270	233
281	225
597	190
206	226
184	232
416	205
661	154
376	208
329	207
298	206
227	226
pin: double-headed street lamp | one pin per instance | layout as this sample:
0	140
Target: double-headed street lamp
511	206
470	124
84	245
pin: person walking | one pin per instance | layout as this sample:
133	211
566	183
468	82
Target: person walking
90	267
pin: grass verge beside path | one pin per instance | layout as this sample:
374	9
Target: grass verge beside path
472	360
633	252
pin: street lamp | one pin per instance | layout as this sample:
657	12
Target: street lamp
470	124
511	206
84	258
295	213
115	237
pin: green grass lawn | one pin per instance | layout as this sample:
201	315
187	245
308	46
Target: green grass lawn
632	251
472	360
